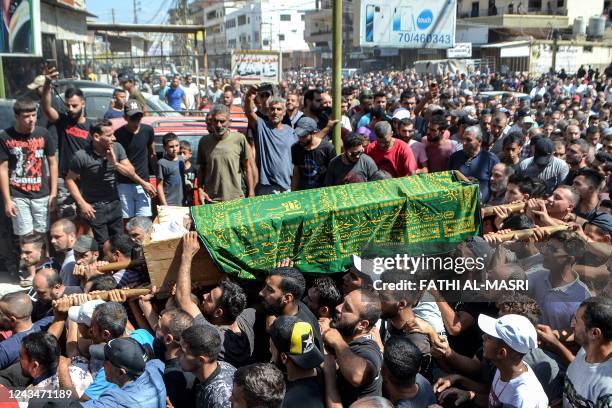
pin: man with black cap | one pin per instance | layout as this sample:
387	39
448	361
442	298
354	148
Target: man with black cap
294	352
85	255
138	140
310	156
543	166
127	364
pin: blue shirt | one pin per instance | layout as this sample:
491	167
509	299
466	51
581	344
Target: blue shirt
147	391
175	97
479	167
9	348
274	154
112	113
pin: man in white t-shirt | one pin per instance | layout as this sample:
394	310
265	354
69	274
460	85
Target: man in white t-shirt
505	341
588	382
191	90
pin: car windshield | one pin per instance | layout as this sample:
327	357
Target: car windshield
157	107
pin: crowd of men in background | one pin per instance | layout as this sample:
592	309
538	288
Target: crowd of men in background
81	196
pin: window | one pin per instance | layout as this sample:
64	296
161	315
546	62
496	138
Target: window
285	17
266	42
211	15
232	43
241	20
281	37
560	3
256	37
303	16
230	23
535	5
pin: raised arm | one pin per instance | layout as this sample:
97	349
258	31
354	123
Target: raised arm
249	107
48	110
191	246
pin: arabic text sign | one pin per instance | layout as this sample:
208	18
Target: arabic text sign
252	67
460	50
407	23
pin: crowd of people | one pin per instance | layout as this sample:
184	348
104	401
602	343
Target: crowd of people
78	195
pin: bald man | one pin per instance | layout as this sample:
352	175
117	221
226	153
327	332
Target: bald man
48	286
63	236
16	316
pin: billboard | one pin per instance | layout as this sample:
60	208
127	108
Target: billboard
406	23
252	67
20	28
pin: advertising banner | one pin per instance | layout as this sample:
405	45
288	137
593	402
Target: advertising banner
407	23
460	50
253	67
321	228
20	28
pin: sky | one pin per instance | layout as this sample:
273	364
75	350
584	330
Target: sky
124	10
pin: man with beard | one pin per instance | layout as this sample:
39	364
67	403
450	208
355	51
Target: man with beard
543	165
396	310
310	156
115	110
576	156
223	158
390	154
272	142
166	345
223	307
558	288
323	297
588	377
500	174
474	162
38	358
63	238
366	103
438	147
16	316
352	166
281	296
293	110
73	131
408	102
47	286
138	140
96	167
198	354
128	82
33	257
314	109
293	351
357	354
380	101
496	135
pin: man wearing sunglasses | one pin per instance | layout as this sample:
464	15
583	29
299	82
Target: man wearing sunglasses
352	166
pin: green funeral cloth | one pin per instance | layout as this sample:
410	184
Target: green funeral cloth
320	229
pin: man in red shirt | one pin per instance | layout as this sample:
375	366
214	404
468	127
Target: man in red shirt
391	155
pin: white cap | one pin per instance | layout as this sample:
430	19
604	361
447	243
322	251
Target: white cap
82	314
401	114
514	330
528	119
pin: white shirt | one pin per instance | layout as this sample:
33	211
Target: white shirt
524	391
190	93
67	268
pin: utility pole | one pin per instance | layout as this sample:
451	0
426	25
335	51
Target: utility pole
337	71
113	12
136	10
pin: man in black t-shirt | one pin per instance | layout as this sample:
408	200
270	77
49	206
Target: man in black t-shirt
138	140
281	296
26	151
293	351
350	339
223	307
310	156
72	130
96	168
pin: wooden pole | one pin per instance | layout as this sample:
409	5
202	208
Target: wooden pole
117	266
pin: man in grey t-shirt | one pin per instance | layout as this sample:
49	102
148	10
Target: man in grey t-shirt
273	141
353	166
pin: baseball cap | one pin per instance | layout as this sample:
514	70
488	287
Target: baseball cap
543	151
528	120
37	82
126	353
82	314
126	77
133	108
296	338
265	87
514	330
305	126
458	113
601	220
143	337
85	243
401	114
